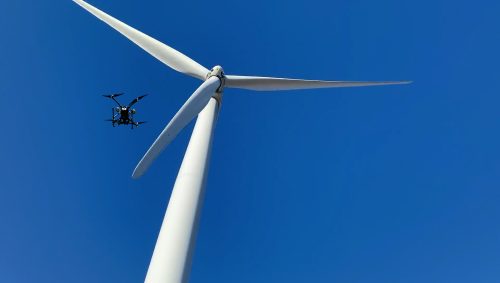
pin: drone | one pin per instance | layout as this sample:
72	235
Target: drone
124	115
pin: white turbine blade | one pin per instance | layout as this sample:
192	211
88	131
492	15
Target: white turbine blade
188	111
268	83
166	54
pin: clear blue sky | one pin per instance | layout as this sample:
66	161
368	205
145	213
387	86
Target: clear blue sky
384	184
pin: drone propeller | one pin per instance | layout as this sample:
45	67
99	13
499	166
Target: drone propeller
113	95
136	100
113	121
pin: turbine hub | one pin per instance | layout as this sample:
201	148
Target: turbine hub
218	72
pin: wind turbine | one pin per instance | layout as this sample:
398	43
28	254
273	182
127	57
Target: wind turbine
171	260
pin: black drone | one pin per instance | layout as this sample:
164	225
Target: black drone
124	115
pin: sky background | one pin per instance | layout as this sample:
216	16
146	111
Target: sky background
382	184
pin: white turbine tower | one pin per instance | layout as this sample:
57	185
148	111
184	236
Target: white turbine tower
171	260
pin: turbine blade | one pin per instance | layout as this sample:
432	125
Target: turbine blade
188	112
169	56
268	83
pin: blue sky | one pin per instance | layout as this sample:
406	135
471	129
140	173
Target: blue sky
384	184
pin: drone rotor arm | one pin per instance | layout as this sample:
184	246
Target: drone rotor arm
136	100
113	97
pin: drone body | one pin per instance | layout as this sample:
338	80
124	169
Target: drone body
124	115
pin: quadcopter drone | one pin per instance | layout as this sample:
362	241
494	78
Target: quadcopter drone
124	114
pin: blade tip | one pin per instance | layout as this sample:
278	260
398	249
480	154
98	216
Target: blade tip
136	175
137	172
